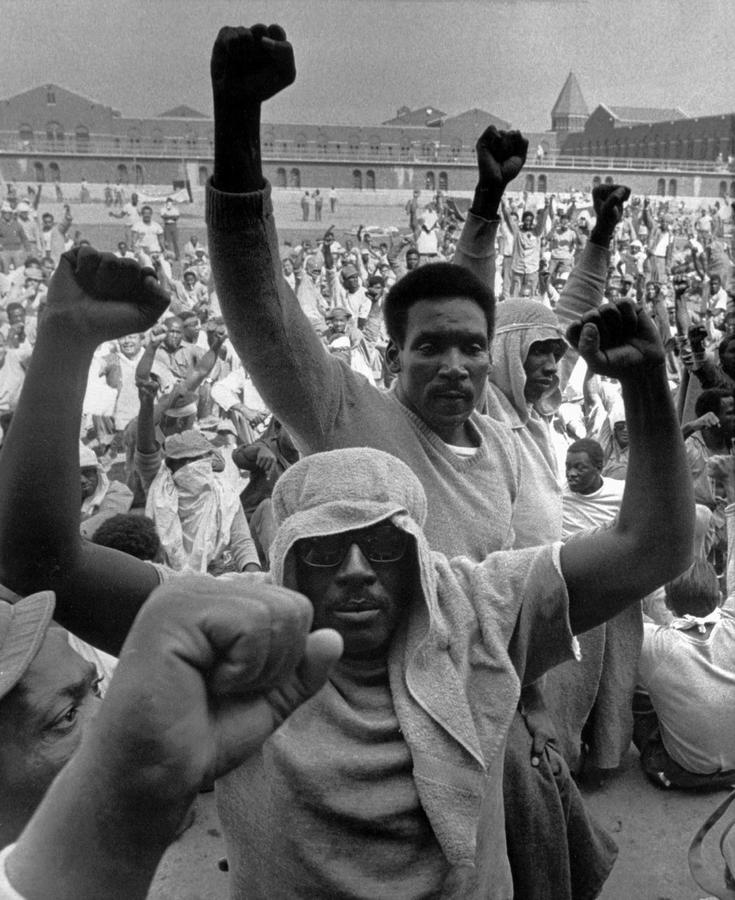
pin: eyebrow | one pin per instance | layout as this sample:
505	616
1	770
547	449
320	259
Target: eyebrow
78	690
454	334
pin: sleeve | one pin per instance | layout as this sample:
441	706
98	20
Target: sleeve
729	603
7	891
585	286
147	466
241	542
476	248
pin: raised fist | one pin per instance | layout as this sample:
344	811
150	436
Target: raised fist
250	65
500	157
101	297
608	200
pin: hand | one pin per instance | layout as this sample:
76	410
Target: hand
147	388
255	419
708	420
619	341
250	65
100	297
223	667
265	460
697	336
158	335
500	157
681	284
608	200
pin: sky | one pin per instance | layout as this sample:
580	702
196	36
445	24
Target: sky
358	61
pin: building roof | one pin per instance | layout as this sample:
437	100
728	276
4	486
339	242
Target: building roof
181	112
424	115
477	119
645	115
570	101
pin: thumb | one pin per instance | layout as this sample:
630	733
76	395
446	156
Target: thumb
589	343
323	649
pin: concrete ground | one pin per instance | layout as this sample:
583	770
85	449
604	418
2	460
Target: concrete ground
653	828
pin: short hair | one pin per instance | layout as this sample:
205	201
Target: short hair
725	343
696	592
169	320
593	449
185	316
11	306
437	281
130	533
710	401
145	207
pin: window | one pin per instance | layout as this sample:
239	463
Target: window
192	139
122	174
54	133
430	181
25	132
353	142
530	184
443	181
722	192
134	137
322	145
81	138
281	177
139	174
374	145
661	187
295	178
541	184
405	147
157	137
455	148
54	173
732	190
38	172
203	175
50	96
370	180
300	142
672	187
428	150
357	179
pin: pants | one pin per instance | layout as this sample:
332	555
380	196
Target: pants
171	238
17	257
332	204
657	269
317	212
560	266
507	275
520	280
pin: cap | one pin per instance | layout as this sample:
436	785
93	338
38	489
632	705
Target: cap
186	445
6	207
214	423
628	279
22	207
23	626
329	314
33	271
636	243
349	270
183	403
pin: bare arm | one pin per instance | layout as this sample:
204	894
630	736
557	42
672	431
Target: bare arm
98	591
609	569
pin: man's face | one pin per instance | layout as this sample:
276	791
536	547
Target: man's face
620	431
122	248
727	418
540	367
338	321
146	214
727	358
583	476
526	293
651	291
359	584
89	478
563	223
190	280
130	345
174	335
16	316
44	719
351	283
527	222
443	363
47	222
176	424
287	267
715	283
412	260
191	329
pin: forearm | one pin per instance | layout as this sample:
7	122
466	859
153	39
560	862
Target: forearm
237	162
242	544
476	247
146	433
584	290
93	836
40	463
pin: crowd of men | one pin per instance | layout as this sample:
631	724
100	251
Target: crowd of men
374	490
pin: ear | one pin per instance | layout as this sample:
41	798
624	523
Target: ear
393	357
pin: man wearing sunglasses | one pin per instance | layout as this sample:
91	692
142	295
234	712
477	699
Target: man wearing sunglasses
388	782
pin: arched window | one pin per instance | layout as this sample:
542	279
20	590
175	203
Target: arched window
370	180
54	133
672	187
25	132
443	181
732	190
203	175
661	187
430	181
139	174
529	184
596	181
81	138
722	189
541	184
122	174
357	179
295	178
38	171
281	177
54	172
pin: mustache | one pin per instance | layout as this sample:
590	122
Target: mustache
357	603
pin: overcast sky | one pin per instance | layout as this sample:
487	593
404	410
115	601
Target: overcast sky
359	60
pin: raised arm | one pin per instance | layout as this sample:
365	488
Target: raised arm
92	298
500	157
289	365
651	542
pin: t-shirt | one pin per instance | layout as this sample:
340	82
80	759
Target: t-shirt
583	511
146	236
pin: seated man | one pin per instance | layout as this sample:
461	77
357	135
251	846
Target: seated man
408	797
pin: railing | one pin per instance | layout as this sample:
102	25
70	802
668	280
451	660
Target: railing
420	153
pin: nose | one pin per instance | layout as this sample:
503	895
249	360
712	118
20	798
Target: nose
355	568
453	363
549	364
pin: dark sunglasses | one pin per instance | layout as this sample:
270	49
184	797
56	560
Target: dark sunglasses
382	543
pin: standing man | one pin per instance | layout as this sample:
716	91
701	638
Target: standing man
170	217
332	199
147	235
526	249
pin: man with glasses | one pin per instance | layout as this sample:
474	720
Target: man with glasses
390	778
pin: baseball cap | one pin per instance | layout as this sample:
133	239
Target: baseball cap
23	626
186	445
349	270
